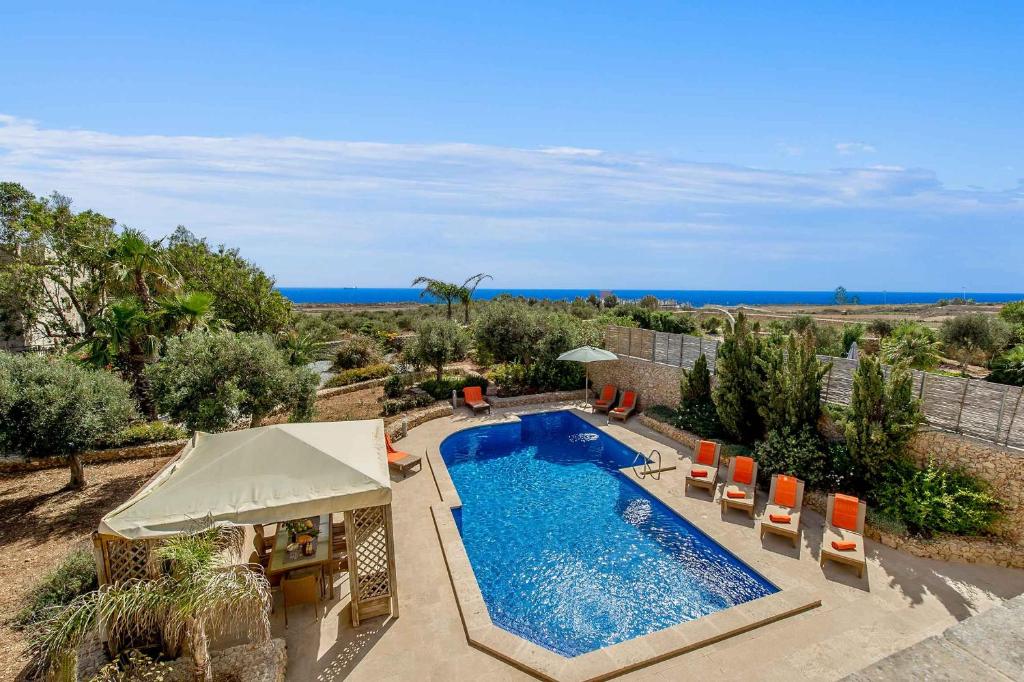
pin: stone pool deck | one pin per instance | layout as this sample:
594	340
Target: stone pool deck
901	601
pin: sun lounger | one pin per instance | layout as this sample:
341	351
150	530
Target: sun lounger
625	407
605	401
400	461
782	514
704	471
843	538
740	485
475	399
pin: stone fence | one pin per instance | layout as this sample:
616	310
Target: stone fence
14	465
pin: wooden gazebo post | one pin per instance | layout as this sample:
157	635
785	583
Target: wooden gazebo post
371	562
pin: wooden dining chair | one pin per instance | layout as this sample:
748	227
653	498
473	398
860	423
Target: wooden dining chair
301	590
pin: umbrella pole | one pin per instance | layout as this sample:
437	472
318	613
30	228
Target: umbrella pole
586	383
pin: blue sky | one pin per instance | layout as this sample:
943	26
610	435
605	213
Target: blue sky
671	145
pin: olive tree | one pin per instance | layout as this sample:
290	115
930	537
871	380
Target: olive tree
208	381
438	342
54	407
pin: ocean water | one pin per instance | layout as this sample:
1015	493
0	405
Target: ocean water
569	553
695	297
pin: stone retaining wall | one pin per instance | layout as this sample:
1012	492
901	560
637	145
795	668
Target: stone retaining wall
249	662
14	465
394	425
537	398
656	384
688	439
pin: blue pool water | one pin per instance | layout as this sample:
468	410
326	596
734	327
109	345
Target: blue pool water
569	553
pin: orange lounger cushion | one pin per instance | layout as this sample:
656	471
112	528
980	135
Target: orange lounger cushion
844	546
743	470
779	518
620	409
706	453
607	394
845	509
473	394
699	473
736	494
785	491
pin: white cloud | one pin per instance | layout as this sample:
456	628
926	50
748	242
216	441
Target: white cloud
379	213
850	148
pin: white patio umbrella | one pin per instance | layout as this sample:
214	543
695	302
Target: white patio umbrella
587	355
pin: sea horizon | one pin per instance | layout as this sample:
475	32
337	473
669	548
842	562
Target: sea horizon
694	297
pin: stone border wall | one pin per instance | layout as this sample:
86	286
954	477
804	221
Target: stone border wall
656	384
16	465
397	425
537	398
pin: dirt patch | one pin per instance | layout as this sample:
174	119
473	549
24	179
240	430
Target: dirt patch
42	523
364	404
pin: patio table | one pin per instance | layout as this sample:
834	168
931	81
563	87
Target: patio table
279	561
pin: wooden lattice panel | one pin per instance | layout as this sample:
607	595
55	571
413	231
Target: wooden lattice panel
127	559
371	552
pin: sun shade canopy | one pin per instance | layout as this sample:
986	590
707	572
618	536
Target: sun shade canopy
588	354
262	475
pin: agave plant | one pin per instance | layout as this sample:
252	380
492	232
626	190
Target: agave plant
199	594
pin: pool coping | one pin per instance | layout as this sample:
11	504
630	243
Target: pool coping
617	659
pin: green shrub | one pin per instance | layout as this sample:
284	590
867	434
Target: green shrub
937	500
441	389
913	344
437	343
1008	368
356	350
1013	312
511	378
798	454
700	418
354	376
74	575
392	407
662	413
886	523
394	385
145	432
695	384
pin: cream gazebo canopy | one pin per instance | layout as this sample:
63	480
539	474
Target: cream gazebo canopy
258	476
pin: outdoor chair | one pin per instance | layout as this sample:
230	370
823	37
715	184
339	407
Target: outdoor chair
473	395
399	460
740	485
704	471
782	514
301	590
625	408
843	538
605	401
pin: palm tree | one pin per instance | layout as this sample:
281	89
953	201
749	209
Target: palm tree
188	312
446	291
467	290
298	348
913	344
141	264
124	337
200	594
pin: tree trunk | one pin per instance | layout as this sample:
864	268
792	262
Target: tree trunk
467	313
449	309
198	645
77	481
140	382
440	371
142	290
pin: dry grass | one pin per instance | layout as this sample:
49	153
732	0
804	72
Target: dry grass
42	522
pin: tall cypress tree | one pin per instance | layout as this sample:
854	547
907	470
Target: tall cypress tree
791	395
740	378
884	416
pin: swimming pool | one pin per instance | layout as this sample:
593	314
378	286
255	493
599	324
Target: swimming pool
569	553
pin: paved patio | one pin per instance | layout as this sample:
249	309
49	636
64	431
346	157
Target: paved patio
901	601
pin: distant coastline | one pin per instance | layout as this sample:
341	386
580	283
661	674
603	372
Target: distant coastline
695	297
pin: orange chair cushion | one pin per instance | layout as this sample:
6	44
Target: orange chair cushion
472	394
785	491
844	545
706	453
396	455
736	494
699	473
628	399
620	409
845	509
743	470
780	518
387	442
607	393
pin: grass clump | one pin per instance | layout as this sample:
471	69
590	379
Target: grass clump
353	376
74	575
